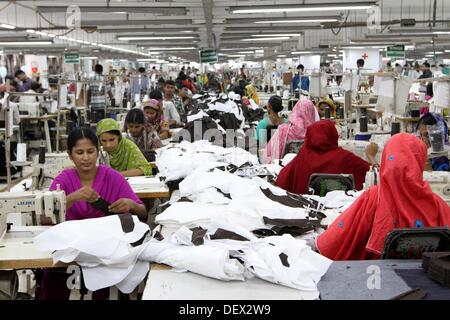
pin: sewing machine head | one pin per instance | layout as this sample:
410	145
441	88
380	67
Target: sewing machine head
30	108
50	204
439	182
54	164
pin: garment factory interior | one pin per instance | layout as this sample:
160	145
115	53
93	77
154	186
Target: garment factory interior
224	150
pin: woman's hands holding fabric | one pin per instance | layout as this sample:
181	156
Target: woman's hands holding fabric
87	193
122	206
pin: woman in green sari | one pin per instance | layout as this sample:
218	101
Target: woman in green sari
123	154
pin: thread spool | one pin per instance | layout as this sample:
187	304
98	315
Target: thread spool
327	112
395	128
436	139
21	152
42	154
363	126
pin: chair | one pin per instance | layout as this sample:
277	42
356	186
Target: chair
412	243
321	183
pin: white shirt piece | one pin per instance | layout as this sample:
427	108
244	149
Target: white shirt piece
205	260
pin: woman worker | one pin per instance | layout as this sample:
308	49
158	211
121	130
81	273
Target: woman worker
302	116
122	154
274	107
83	185
401	200
320	154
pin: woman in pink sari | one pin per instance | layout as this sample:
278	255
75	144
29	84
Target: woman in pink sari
303	115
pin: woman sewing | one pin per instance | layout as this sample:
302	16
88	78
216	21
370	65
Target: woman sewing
84	185
402	199
321	154
122	154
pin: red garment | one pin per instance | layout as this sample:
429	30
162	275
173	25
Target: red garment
188	85
321	154
402	200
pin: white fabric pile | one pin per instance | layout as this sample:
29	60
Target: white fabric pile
101	248
280	259
177	163
247	206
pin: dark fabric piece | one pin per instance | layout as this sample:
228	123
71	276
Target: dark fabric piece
140	241
415	294
198	235
126	220
284	259
206	124
158	236
251	115
286	200
226	120
262	233
294	227
417	278
225	234
185	199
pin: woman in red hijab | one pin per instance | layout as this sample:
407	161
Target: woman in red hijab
321	154
401	200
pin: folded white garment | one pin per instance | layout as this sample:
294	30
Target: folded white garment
189	214
205	260
285	261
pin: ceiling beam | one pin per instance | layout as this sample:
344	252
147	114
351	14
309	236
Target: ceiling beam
208	12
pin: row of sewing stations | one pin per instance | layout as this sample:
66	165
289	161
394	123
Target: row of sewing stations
17	249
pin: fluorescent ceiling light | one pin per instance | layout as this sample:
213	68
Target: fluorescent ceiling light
173	48
295	21
410	47
266	39
305	8
429	55
437	52
31	31
147	60
25	43
51	35
441	32
236	55
246	52
153	38
278	35
281	56
88	58
7	26
302	52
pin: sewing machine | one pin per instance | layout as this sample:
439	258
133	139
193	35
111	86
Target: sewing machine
44	173
439	182
32	109
51	204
